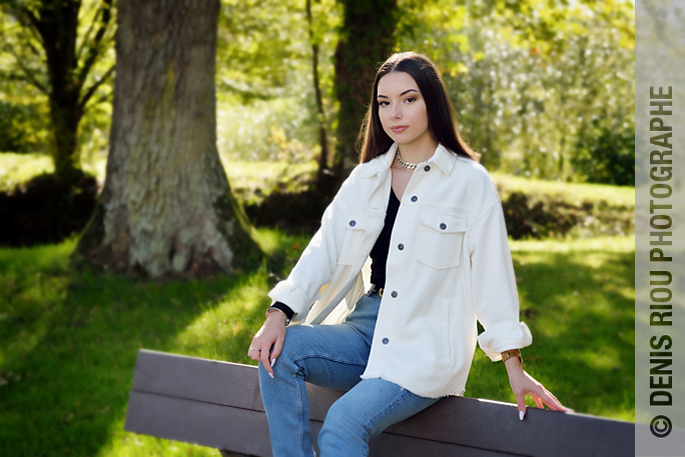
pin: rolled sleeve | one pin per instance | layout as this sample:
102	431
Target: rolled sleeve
495	297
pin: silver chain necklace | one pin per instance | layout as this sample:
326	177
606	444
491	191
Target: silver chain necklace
408	165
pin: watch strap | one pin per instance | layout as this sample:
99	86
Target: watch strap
506	355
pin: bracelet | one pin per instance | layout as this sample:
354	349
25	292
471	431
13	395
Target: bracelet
271	310
506	355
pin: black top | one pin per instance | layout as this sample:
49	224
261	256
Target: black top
379	253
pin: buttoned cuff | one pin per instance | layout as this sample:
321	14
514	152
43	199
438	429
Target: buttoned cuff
504	336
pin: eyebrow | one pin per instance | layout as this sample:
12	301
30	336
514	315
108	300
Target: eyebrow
405	92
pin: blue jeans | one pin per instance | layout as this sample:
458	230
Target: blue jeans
332	356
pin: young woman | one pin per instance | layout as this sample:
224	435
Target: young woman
428	216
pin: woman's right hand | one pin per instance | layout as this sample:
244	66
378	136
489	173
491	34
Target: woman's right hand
268	341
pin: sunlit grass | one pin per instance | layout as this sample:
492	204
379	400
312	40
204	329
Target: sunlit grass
573	193
253	180
19	168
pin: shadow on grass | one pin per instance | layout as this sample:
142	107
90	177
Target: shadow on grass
580	309
68	345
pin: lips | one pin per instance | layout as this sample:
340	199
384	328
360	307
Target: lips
399	128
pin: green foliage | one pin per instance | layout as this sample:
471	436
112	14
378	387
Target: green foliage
530	79
25	79
543	89
256	48
536	84
22	127
606	155
265	130
266	104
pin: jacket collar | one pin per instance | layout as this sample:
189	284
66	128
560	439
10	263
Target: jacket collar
442	157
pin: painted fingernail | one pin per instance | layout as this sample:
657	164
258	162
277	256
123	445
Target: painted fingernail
272	375
521	415
273	362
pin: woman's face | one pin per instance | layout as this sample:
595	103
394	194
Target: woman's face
402	110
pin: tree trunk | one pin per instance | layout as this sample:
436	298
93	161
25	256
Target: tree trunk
65	117
57	22
366	40
166	208
322	171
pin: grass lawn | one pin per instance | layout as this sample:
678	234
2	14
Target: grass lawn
68	339
573	193
578	298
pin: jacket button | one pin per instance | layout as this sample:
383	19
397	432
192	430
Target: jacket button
386	341
400	246
427	168
393	294
443	226
414	198
353	223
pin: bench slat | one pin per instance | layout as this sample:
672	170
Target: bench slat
216	426
218	404
387	444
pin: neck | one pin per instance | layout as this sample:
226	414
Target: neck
418	152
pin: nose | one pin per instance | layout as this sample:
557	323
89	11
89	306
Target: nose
395	112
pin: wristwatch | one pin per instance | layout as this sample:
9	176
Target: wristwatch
506	355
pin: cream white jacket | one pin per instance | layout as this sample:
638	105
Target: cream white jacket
454	268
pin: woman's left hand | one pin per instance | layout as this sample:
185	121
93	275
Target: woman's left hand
524	384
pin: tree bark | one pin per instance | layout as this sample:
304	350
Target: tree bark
166	208
366	40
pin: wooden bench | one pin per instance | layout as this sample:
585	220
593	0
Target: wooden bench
217	404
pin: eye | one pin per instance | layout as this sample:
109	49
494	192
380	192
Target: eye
410	99
383	103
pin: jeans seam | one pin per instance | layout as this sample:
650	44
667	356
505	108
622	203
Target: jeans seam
301	424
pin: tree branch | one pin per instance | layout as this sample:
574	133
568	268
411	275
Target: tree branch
12	76
22	14
86	37
91	91
95	48
99	100
30	76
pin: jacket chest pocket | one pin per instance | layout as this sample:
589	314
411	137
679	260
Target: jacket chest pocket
355	229
440	240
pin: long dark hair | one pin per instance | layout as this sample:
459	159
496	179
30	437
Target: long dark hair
441	120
